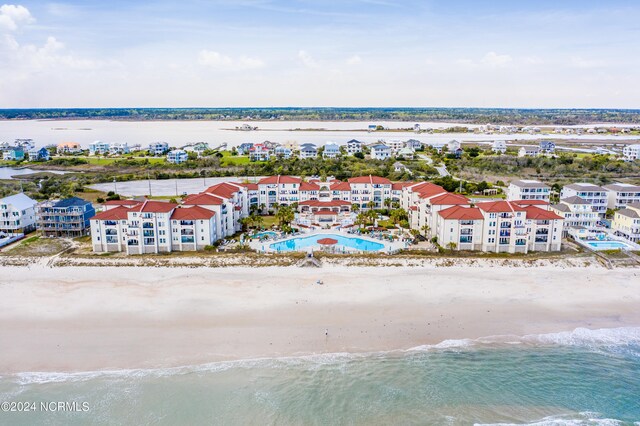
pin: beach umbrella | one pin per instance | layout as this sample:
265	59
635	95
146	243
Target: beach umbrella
327	241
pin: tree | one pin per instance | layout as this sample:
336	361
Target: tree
398	215
425	229
359	155
355	207
371	205
361	219
387	202
452	246
285	215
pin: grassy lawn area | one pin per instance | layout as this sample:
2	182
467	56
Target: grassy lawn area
105	161
233	160
36	246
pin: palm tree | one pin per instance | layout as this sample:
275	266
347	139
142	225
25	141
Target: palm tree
425	229
257	221
395	204
355	207
452	246
361	219
285	215
387	203
371	205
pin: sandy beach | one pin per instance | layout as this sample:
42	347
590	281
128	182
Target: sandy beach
92	318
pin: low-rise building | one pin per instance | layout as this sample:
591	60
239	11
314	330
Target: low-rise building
626	222
576	212
177	156
39	154
499	147
283	152
526	189
259	152
594	195
529	151
308	150
548	147
158	148
366	189
380	152
14	153
99	148
64	218
631	152
119	148
354	146
17	214
69	148
620	195
331	150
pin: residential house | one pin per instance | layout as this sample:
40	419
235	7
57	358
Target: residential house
177	156
244	148
25	144
41	154
406	153
68	148
620	195
594	195
259	152
158	148
99	148
414	144
17	214
626	222
119	148
547	147
453	146
198	148
631	152
380	152
64	218
395	145
576	212
354	146
528	190
331	150
499	147
14	153
283	152
308	150
529	151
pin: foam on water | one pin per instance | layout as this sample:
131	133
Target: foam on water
585	418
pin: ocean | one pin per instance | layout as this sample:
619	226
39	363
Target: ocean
585	377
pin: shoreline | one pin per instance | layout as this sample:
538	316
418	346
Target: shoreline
73	320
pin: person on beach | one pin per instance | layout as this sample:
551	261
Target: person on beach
326	332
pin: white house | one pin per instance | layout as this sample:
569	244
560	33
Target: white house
354	146
619	195
406	153
283	152
119	148
177	156
547	147
576	212
453	145
631	152
380	152
68	148
308	150
158	148
395	145
594	195
499	147
529	151
528	190
37	154
331	150
259	152
99	148
17	214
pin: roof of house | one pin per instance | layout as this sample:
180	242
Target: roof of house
370	179
309	186
540	214
629	213
622	187
461	213
224	189
327	213
317	203
574	200
118	213
427	189
341	186
202	199
379	147
525	183
279	179
19	201
581	186
151	206
192	213
68	145
523	203
354	141
500	207
397	186
71	202
251	186
449	199
561	207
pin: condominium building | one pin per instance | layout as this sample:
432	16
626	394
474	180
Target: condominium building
594	195
620	195
528	190
64	218
366	189
17	214
631	152
281	190
626	222
576	212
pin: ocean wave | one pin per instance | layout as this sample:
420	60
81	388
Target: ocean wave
581	419
582	337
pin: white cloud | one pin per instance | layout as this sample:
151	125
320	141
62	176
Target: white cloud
219	61
579	62
532	60
495	60
12	17
354	60
306	59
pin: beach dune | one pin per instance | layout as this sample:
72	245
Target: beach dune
92	318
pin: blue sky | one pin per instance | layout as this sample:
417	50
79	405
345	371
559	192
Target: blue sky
320	53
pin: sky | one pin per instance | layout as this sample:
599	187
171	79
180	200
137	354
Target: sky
412	53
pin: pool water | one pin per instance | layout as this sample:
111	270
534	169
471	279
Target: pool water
269	234
300	243
608	245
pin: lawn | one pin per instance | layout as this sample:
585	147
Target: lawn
102	161
233	160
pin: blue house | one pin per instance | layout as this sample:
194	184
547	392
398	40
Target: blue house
41	154
65	218
283	152
14	153
244	148
547	146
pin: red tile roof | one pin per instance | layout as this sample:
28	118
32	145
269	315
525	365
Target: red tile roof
224	189
427	189
117	213
341	186
280	179
326	213
397	186
192	213
154	207
523	203
461	213
251	186
499	207
317	203
414	208
537	213
370	179
309	186
202	199
449	199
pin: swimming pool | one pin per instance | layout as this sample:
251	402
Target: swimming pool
300	243
609	245
262	234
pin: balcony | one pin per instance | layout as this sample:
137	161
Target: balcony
111	232
466	231
186	222
505	225
542	232
186	232
464	240
148	234
149	241
505	233
112	240
132	242
187	240
147	225
541	239
521	242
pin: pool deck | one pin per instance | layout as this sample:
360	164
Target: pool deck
389	247
628	245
